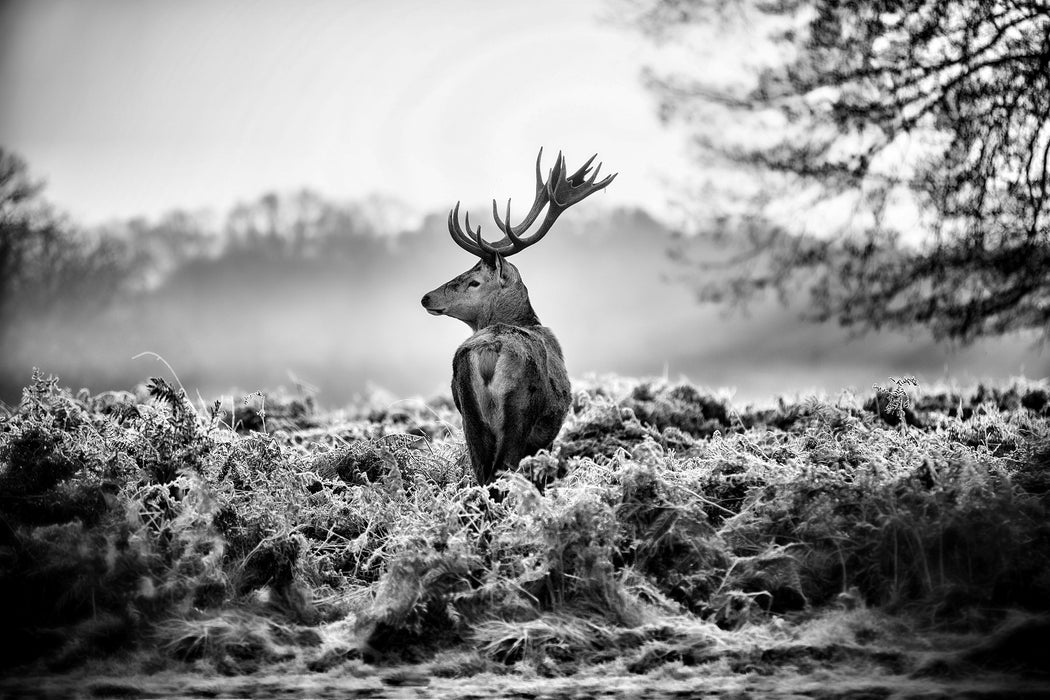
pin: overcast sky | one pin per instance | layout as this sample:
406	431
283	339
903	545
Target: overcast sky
130	108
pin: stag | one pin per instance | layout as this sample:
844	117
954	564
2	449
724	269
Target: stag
508	378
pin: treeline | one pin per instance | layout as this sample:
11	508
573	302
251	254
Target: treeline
46	262
50	265
299	225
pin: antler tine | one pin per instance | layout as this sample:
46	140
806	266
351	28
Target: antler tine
604	183
486	246
557	172
577	177
466	222
540	201
564	192
506	227
594	175
461	239
482	243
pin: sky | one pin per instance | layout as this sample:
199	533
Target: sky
134	108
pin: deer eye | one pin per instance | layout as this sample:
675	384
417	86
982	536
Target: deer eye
474	283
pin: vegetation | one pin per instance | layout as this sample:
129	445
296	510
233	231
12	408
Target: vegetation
675	531
926	123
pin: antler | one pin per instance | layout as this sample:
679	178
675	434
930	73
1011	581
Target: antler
558	193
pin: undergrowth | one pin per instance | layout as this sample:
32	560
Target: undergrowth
670	522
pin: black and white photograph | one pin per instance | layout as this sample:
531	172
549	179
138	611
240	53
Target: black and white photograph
505	349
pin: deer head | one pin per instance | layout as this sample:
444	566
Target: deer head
492	290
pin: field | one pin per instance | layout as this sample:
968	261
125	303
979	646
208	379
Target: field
889	543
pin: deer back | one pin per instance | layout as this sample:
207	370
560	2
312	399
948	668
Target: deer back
511	386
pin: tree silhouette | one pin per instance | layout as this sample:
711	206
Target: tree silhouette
46	266
880	105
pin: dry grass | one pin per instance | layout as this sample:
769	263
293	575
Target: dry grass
675	532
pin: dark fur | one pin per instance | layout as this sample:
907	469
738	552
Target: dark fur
481	443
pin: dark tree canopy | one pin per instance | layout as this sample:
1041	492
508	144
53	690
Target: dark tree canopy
946	102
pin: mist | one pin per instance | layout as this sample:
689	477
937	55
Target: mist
333	308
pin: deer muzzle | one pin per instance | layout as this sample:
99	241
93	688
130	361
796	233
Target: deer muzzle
432	310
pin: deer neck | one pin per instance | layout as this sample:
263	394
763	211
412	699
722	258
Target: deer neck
512	309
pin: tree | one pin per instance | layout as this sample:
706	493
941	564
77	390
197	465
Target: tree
45	266
942	106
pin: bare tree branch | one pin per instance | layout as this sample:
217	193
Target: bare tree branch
946	100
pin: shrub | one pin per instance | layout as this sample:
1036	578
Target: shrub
666	520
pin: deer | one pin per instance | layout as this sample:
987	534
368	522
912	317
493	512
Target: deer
509	381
